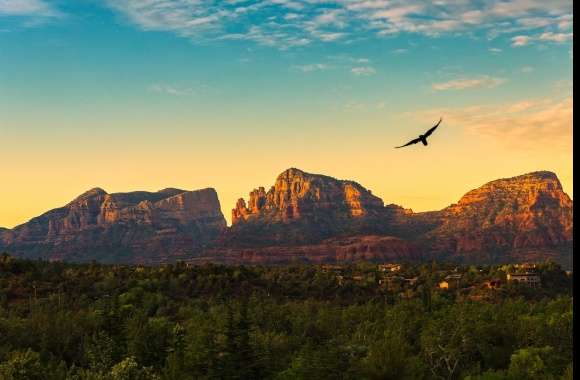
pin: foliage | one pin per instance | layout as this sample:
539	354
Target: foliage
171	322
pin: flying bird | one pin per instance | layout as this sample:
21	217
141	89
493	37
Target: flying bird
422	138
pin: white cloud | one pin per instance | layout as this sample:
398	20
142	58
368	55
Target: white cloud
355	106
495	50
520	40
546	36
168	89
311	67
290	23
333	17
397	13
29	13
463	83
527	69
363	71
330	36
399	51
26	8
556	37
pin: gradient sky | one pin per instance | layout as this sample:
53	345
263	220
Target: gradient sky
147	94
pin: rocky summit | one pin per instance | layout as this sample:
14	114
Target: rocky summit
297	194
305	217
305	208
121	227
518	216
527	217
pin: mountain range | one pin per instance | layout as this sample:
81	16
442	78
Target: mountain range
304	217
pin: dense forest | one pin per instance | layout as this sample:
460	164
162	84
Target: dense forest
93	321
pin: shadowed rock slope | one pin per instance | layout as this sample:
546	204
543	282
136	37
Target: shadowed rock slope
302	208
121	227
506	219
527	217
305	217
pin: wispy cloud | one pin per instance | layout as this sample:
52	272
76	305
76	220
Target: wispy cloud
31	12
363	71
530	124
26	8
520	40
544	37
527	69
169	89
311	67
292	23
463	83
556	37
399	51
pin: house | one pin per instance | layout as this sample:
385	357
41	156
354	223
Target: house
328	268
390	281
525	266
453	279
410	281
530	278
389	267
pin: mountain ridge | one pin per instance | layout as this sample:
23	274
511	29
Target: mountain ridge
500	219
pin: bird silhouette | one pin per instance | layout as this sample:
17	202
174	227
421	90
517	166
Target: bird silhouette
422	138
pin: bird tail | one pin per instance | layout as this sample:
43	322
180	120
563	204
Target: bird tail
424	141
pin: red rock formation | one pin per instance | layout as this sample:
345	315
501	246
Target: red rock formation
348	249
502	219
137	226
523	212
297	194
305	217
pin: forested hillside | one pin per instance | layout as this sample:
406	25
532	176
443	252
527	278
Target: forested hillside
92	321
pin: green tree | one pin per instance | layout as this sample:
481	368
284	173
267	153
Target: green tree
22	365
531	363
128	369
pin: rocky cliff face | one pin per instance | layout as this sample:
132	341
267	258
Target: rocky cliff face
510	215
304	208
519	218
297	194
121	227
345	249
305	217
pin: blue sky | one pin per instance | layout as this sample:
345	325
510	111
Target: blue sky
213	89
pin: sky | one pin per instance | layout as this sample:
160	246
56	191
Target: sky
148	94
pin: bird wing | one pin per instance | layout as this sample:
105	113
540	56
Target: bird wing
410	143
433	128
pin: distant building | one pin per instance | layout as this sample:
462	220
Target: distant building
450	281
530	278
389	281
389	267
525	266
332	268
410	281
